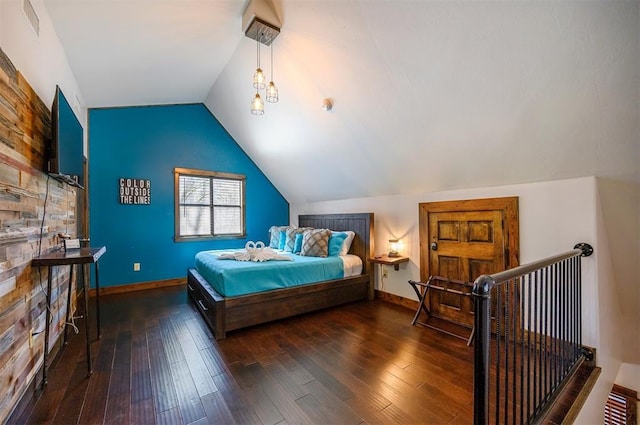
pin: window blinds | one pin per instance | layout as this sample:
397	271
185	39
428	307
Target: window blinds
209	203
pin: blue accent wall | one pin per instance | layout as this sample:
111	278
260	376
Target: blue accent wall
148	143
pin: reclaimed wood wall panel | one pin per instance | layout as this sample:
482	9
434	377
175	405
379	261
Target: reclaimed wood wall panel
25	128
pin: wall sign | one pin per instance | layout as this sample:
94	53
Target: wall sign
135	191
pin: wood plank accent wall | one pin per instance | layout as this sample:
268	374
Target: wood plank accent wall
25	127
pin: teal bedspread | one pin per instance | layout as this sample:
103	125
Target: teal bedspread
231	278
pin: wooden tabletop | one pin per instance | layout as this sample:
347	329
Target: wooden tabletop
390	261
71	256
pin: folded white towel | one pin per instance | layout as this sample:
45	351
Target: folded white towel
238	256
255	251
268	254
252	246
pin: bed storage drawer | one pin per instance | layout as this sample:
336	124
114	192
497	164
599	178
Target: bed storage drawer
198	298
209	303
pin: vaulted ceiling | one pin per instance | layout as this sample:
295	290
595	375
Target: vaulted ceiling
427	95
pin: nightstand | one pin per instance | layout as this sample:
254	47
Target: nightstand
389	261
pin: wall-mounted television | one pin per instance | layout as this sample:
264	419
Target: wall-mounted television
65	158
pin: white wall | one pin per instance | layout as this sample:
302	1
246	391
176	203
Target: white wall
618	228
553	217
40	59
427	93
1	20
620	219
629	376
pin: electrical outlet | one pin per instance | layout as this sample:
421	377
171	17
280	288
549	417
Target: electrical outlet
136	267
384	273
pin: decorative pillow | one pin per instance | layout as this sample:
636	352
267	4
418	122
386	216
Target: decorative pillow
336	240
315	243
297	246
283	240
344	250
274	235
291	237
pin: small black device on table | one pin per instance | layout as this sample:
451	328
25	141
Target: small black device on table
70	257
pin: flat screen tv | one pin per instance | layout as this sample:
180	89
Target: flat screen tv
65	157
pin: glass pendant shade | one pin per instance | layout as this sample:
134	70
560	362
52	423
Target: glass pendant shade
394	248
257	105
258	79
272	93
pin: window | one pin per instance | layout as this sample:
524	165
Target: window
208	204
621	407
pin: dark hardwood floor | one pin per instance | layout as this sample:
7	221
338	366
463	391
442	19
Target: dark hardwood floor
158	363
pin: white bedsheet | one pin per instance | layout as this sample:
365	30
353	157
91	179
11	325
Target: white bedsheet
352	265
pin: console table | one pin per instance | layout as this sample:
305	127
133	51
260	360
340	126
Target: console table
70	257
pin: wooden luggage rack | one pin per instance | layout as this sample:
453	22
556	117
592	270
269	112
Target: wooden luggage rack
438	283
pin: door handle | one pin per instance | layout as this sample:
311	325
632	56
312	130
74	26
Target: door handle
434	246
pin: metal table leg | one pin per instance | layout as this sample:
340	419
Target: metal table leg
65	342
46	326
86	325
98	301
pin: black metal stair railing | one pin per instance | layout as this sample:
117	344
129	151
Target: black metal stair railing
528	337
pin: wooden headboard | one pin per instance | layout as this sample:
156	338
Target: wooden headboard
360	223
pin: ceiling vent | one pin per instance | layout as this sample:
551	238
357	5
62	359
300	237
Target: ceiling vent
31	15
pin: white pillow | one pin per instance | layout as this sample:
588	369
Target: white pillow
347	242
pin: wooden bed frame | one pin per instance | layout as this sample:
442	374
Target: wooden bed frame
224	314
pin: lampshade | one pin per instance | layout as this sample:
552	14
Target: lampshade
258	79
394	248
272	93
257	105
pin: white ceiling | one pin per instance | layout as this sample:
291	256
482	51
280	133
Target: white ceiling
146	52
427	95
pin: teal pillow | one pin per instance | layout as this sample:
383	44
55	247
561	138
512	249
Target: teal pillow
283	239
297	246
274	235
336	240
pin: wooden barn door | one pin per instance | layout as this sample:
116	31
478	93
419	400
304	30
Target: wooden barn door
462	240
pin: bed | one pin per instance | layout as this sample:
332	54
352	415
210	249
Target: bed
223	314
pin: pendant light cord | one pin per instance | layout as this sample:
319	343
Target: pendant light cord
257	81
258	51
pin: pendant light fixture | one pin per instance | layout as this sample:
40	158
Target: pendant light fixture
272	90
257	106
263	32
258	76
